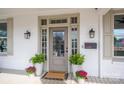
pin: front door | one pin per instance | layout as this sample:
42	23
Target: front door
58	49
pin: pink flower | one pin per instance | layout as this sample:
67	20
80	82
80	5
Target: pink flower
81	74
30	69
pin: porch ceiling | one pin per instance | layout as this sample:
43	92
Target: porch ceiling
5	11
18	10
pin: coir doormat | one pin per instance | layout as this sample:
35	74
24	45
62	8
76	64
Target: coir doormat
55	75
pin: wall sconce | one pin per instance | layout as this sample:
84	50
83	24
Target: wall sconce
91	33
27	35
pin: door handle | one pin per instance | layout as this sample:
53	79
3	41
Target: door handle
66	50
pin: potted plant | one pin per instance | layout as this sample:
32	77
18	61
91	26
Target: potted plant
38	61
81	76
76	60
30	70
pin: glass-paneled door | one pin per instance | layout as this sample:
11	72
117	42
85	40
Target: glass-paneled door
58	49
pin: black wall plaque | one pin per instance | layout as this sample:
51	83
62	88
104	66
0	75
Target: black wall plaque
90	45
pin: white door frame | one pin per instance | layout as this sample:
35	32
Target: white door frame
68	25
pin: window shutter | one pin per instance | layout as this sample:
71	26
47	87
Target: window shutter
10	36
107	35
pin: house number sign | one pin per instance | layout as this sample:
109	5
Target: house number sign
90	45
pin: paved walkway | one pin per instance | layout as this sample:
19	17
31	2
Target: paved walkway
6	78
105	80
91	80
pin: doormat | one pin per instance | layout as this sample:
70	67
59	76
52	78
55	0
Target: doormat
55	75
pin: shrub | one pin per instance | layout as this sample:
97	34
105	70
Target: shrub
38	58
77	59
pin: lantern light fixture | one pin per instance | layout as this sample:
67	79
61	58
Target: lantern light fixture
27	35
91	33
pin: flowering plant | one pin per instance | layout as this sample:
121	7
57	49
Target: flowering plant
31	70
81	74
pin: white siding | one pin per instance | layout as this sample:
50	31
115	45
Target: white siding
88	20
25	48
108	67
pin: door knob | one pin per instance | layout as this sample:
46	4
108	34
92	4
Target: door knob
66	51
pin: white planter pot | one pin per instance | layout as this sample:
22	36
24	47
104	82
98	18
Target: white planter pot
74	69
39	68
31	75
81	81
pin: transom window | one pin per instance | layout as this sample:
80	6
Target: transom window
118	35
3	37
58	21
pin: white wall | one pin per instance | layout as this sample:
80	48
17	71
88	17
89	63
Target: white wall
88	20
112	69
108	67
25	48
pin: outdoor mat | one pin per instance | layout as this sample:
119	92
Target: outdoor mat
55	75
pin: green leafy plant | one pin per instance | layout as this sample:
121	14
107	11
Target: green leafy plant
77	59
38	58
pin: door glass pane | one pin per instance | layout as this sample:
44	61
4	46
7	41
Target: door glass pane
74	37
44	42
58	43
